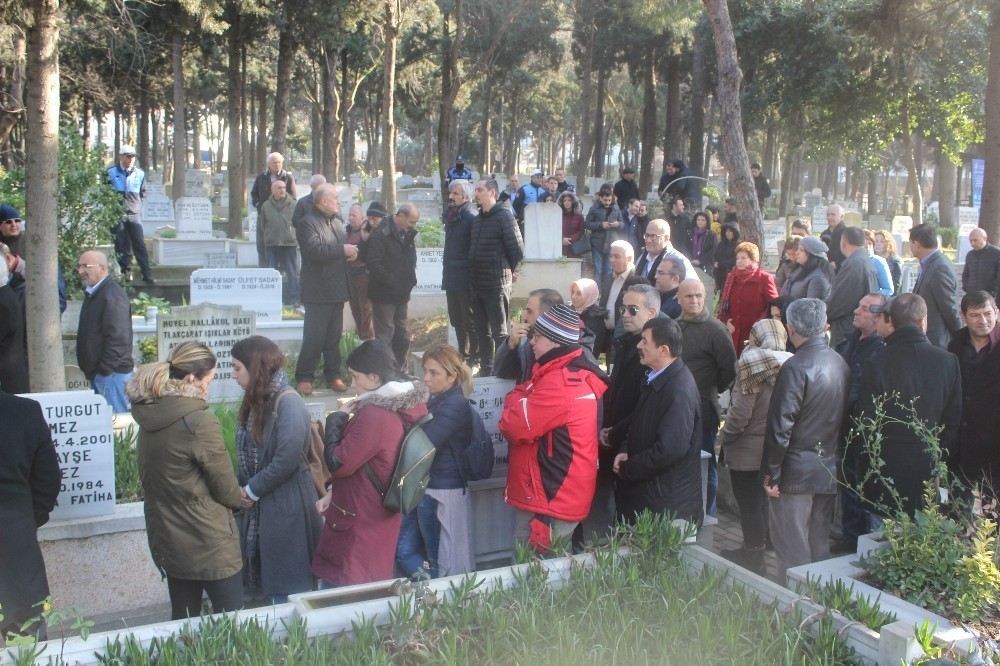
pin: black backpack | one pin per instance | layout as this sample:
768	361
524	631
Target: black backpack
476	460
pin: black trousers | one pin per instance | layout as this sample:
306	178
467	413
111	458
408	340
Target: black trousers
490	310
225	594
129	241
321	333
749	492
390	328
460	316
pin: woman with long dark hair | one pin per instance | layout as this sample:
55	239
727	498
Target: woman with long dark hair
703	242
188	482
279	526
813	276
572	223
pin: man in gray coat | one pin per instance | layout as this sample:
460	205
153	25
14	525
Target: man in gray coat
799	466
855	278
937	285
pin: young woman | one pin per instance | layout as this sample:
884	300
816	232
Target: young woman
787	263
584	296
881	266
436	539
188	481
703	243
885	247
746	295
725	253
572	223
358	541
279	526
812	277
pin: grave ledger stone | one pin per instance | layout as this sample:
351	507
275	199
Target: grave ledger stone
219	327
487	398
194	218
257	289
80	422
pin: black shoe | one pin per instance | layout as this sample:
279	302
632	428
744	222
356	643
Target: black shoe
149	280
746	558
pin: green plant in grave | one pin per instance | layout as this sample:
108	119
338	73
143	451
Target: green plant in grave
128	484
143	301
430	233
148	349
711	195
841	597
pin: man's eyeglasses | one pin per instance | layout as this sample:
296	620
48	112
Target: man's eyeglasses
13	220
631	309
79	266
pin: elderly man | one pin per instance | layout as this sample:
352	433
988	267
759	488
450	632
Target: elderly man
613	286
669	275
514	358
304	205
977	347
130	182
831	235
104	336
936	284
982	265
392	273
657	239
562	185
799	465
358	231
325	253
261	189
459	219
659	462
275	233
711	357
551	423
855	277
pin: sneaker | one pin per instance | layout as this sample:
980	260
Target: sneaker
305	388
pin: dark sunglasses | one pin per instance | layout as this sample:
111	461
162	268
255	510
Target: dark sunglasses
631	309
14	220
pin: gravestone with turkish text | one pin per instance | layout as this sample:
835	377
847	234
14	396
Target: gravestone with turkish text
217	326
542	231
193	217
75	379
220	260
196	183
256	289
853	218
488	394
80	423
430	269
157	211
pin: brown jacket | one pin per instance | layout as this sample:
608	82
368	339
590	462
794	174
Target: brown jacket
189	484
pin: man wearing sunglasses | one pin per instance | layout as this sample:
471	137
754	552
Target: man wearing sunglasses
129	181
11	229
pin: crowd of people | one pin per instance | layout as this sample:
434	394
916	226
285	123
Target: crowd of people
616	399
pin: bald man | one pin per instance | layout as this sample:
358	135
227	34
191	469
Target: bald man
982	265
104	336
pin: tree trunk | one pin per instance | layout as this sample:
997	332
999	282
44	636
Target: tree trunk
13	108
770	149
118	132
41	198
486	128
944	177
447	118
672	148
195	138
316	129
786	181
733	144
86	113
283	87
699	76
910	161
713	107
391	27
143	135
180	134
649	124
234	117
260	157
328	76
989	209
872	192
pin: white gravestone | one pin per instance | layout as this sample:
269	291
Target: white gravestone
901	224
75	379
154	178
219	327
80	423
488	394
155	188
818	217
193	216
542	231
220	260
853	218
196	183
964	246
256	289
430	269
157	211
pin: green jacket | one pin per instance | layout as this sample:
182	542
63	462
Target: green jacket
275	222
189	484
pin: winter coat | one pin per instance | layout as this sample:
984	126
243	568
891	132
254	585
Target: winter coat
977	457
804	419
358	541
781	273
104	336
709	354
13	360
939	288
832	239
680	232
982	270
928	376
131	185
495	250
744	300
725	254
29	484
457	236
261	190
593	322
854	279
896	271
289	525
189	484
763	190
304	206
324	268
572	226
663	443
451	432
678	186
391	257
551	422
601	238
706	257
624	191
804	283
857	353
274	226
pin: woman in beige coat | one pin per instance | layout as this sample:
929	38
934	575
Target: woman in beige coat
188	480
742	437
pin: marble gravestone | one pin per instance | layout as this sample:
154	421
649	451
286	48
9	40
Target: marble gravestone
193	216
542	231
157	211
196	183
218	326
80	423
256	289
430	270
488	394
75	379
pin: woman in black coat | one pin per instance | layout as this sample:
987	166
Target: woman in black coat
13	360
725	253
703	243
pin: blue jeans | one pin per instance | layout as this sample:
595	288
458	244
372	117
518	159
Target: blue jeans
418	539
710	433
283	258
602	267
112	387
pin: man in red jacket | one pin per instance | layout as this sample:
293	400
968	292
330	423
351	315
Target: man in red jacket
551	422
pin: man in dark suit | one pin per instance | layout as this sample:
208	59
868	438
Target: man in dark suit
937	285
657	239
29	484
613	286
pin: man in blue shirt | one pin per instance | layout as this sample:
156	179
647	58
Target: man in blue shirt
129	181
458	172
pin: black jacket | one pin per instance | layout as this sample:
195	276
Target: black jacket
832	239
391	257
927	376
303	207
763	189
803	420
725	254
663	470
451	432
261	190
324	269
457	236
29	484
982	270
495	250
625	190
13	361
978	456
678	186
104	337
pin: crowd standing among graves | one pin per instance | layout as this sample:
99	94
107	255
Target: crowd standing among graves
616	397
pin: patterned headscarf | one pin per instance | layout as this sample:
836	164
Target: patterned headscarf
763	355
